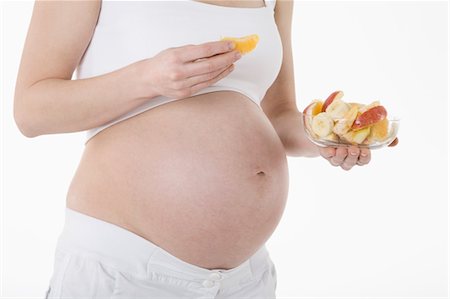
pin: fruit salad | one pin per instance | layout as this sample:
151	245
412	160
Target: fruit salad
336	122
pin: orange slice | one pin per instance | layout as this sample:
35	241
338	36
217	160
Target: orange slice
317	108
380	130
244	44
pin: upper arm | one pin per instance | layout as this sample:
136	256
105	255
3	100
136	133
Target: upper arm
281	95
58	34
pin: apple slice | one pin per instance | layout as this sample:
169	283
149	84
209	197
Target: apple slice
337	95
358	136
369	117
364	108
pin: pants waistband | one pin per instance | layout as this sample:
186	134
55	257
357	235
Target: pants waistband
127	252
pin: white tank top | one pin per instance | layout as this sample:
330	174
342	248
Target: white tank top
128	31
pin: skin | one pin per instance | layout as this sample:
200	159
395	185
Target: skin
47	101
281	107
42	82
51	81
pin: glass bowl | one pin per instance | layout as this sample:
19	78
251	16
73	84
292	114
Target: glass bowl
393	125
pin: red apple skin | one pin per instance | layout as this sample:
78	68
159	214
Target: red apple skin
335	95
370	117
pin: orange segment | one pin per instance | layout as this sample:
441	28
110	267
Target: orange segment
244	44
380	130
317	108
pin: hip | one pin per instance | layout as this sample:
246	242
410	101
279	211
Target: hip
97	259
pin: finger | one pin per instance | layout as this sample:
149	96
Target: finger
351	159
394	142
327	152
193	52
209	65
364	156
194	80
204	84
341	153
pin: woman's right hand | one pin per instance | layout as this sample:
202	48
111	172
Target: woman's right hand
179	72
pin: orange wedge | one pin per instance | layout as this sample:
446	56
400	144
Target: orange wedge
380	130
244	44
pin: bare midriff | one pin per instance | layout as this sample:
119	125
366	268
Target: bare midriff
205	178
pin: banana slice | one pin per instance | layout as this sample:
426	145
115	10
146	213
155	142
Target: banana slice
343	125
360	106
322	124
337	109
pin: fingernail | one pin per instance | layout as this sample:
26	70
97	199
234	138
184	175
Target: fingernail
363	154
353	153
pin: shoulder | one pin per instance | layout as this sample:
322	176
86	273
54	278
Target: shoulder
283	8
283	17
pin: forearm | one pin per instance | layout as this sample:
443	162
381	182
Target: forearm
289	126
61	106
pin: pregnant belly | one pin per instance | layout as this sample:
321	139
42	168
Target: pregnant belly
205	178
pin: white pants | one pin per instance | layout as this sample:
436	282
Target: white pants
96	259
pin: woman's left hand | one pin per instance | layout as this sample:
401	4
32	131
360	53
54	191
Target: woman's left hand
346	157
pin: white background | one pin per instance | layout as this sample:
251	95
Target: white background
375	231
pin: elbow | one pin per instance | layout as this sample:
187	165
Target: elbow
301	148
300	152
24	125
24	121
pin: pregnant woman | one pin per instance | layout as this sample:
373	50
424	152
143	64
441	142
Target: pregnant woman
184	175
